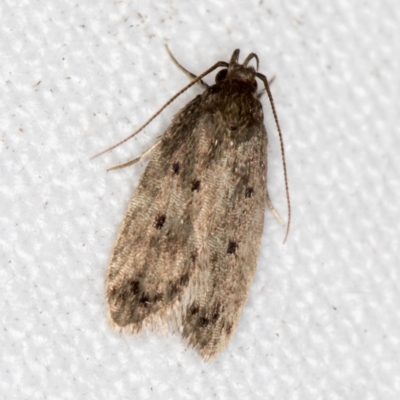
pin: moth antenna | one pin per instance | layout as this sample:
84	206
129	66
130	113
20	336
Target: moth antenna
271	101
135	160
194	81
261	94
250	57
184	70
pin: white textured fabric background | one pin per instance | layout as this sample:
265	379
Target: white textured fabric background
323	316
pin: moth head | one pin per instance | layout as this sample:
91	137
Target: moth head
242	72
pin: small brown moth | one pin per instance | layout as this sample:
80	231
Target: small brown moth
187	248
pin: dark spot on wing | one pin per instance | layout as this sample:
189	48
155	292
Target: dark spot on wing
203	322
232	246
158	297
144	300
172	289
193	309
133	287
159	222
195	186
215	315
249	192
184	279
176	166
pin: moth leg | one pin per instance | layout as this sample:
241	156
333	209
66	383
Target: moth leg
185	71
137	159
273	209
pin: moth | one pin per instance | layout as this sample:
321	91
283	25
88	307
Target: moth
187	249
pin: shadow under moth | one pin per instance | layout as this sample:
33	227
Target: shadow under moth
187	248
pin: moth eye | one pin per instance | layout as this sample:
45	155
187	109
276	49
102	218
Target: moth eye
232	127
221	75
249	192
159	222
195	186
232	246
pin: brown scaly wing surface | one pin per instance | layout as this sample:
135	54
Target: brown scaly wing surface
191	267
